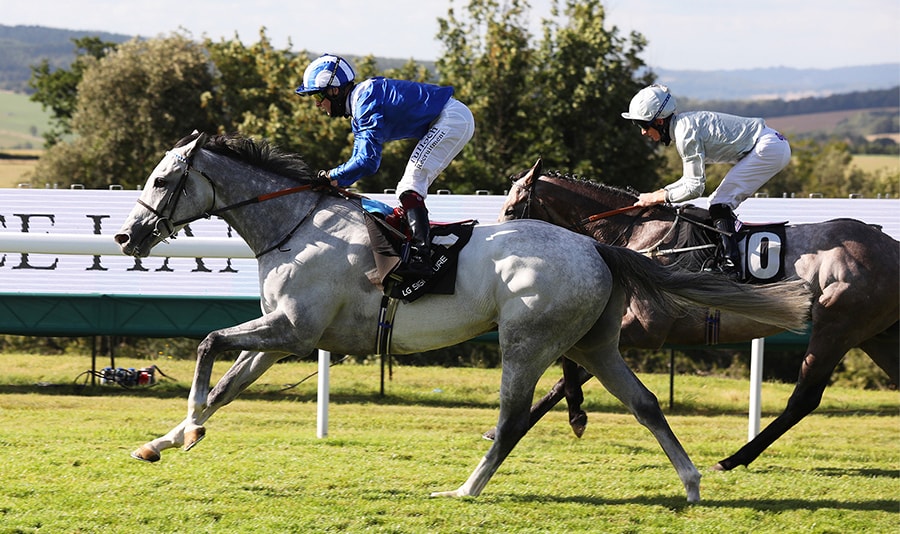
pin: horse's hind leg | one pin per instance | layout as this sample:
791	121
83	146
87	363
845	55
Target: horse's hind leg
608	366
884	349
516	391
559	391
572	372
818	365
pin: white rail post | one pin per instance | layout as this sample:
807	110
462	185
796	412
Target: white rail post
322	397
757	347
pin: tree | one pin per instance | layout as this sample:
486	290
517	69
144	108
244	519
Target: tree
490	63
589	75
132	105
254	89
254	94
561	100
57	90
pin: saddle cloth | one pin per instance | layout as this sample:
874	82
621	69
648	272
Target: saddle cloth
761	245
388	235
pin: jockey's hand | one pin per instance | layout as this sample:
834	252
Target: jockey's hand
325	177
645	200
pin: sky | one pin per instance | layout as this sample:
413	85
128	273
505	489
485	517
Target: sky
704	35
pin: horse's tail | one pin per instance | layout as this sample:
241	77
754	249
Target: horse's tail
785	305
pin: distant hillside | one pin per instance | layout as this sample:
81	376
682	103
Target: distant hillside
857	100
778	82
24	46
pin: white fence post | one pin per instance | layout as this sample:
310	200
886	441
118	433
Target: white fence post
757	346
322	397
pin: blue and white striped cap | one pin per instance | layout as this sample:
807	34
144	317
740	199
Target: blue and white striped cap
327	70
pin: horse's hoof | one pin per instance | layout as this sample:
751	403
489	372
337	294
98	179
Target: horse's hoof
445	493
579	424
145	454
490	434
193	437
718	467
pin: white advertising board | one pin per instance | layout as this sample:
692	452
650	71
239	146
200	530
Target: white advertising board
61	241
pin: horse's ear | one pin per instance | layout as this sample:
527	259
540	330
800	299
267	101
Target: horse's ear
535	170
197	144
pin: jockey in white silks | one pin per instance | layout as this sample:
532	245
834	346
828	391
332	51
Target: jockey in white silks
701	137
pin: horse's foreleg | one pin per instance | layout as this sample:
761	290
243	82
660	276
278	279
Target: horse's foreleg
150	451
268	332
247	368
178	436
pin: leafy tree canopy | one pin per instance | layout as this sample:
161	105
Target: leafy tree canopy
558	95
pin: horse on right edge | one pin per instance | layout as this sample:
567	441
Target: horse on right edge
850	266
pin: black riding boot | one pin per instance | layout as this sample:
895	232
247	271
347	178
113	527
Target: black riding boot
417	260
723	219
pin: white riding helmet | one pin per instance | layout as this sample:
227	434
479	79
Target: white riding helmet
326	71
651	103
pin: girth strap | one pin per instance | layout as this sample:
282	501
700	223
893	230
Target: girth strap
385	325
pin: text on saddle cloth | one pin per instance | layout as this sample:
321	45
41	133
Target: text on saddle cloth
446	242
762	248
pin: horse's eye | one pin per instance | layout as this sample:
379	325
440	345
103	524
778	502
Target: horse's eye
159	182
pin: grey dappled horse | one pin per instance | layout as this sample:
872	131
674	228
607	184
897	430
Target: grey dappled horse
851	268
546	290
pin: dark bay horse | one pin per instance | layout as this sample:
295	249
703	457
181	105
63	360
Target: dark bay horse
851	267
546	290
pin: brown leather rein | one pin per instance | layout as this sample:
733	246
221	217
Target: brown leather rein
610	213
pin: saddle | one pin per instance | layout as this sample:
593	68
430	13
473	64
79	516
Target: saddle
761	245
388	232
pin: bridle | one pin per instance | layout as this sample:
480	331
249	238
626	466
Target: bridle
169	202
165	227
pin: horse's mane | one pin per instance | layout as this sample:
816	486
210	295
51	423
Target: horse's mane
258	153
628	192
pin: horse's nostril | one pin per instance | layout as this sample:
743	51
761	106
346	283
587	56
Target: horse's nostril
121	238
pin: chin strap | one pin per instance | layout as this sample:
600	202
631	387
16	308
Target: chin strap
339	101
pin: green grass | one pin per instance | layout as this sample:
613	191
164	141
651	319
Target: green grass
261	469
22	122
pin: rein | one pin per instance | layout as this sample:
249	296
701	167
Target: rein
610	213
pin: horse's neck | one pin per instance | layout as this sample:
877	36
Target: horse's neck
262	224
621	229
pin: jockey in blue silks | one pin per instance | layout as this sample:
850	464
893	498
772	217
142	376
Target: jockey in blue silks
382	110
